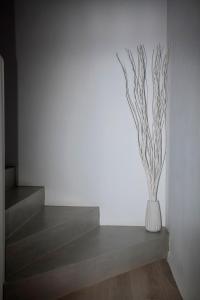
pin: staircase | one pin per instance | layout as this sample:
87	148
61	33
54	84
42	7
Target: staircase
52	251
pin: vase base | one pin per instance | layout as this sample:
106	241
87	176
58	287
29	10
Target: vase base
153	221
153	231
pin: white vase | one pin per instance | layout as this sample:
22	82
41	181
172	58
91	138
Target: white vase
153	222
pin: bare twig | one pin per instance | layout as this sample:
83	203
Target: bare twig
150	141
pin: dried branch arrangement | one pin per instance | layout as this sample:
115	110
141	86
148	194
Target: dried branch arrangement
151	135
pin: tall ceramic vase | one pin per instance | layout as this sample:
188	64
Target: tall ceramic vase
153	222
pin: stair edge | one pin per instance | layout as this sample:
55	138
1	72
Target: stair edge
44	284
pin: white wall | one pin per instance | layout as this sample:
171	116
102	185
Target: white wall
184	160
76	135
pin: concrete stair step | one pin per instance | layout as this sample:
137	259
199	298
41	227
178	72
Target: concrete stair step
10	178
50	229
21	204
102	253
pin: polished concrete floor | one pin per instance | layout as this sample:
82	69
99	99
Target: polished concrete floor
151	282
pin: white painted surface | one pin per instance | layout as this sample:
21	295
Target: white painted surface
184	160
153	222
76	135
2	185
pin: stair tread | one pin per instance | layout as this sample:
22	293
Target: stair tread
18	194
100	241
48	217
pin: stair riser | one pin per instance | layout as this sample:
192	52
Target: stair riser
22	253
10	178
22	211
62	281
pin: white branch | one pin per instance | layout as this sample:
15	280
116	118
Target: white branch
150	141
